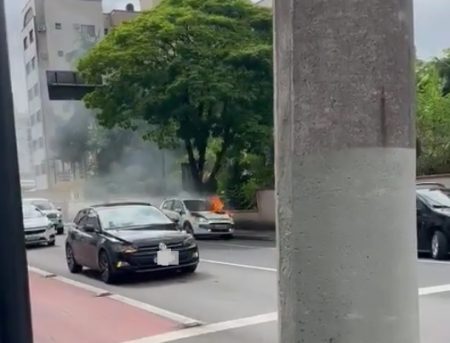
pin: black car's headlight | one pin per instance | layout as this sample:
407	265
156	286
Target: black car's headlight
189	241
124	248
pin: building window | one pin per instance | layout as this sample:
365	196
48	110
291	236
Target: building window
29	135
33	120
60	53
87	31
31	36
41	142
58	26
36	90
34	144
25	43
28	67
30	94
37	170
106	32
33	63
38	116
43	168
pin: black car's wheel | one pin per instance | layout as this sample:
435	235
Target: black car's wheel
51	243
190	269
60	230
188	228
439	246
107	274
72	264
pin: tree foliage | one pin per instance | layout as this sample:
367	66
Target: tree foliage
433	121
196	71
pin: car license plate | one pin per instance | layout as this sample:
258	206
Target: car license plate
32	237
167	257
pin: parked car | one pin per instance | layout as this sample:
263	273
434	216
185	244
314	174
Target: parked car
119	238
198	218
51	211
38	229
433	222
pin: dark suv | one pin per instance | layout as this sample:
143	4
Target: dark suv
433	222
128	237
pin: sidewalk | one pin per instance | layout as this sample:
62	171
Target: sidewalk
63	313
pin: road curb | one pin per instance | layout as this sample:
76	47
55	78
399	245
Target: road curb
185	322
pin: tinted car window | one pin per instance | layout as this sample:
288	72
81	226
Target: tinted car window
168	205
92	221
131	216
77	218
177	206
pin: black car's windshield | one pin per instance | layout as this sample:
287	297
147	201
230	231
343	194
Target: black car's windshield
43	205
30	211
435	198
197	205
132	217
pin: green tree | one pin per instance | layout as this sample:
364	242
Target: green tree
196	71
433	121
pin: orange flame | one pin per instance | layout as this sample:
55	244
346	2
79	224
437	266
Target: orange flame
217	205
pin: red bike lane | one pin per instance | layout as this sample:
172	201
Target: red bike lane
63	313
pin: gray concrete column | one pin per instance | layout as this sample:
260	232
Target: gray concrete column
345	171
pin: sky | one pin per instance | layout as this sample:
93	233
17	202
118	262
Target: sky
432	29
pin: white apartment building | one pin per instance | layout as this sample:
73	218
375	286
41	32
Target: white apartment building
23	135
56	33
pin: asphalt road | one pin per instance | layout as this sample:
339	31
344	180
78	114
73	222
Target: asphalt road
237	279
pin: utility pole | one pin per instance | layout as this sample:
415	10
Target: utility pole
345	171
15	318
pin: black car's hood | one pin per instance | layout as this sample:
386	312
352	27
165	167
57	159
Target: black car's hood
143	237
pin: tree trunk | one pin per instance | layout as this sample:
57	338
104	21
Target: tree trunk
345	167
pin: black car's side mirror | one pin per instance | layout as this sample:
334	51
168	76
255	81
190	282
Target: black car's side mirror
89	229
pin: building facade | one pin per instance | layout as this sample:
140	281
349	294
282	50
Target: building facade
23	138
55	34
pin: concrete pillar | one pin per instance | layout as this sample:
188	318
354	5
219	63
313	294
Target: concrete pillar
345	171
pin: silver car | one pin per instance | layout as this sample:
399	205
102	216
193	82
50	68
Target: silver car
50	210
38	228
197	217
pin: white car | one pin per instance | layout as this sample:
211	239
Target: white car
197	218
52	212
38	228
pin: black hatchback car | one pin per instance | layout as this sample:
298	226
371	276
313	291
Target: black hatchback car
128	237
433	222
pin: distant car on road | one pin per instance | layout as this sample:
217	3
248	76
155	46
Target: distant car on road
118	238
51	211
433	222
198	218
38	229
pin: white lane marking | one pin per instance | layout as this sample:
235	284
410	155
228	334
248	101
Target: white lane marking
40	272
186	321
207	329
434	262
246	266
100	292
434	289
235	245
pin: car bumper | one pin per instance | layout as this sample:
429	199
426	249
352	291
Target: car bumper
210	230
143	263
40	237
